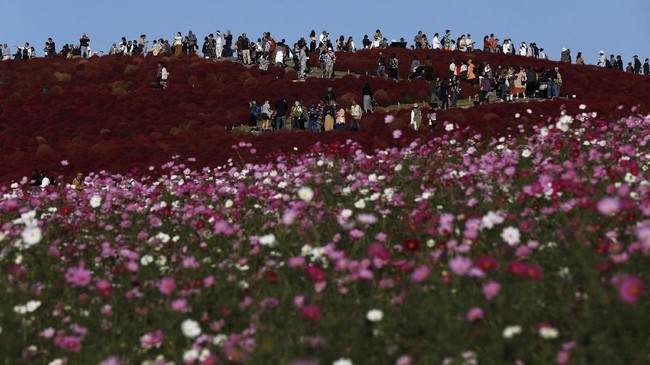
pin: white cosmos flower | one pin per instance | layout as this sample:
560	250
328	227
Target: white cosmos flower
525	153
548	333
491	219
29	307
190	328
32	235
511	235
630	178
228	203
146	260
374	315
190	356
360	204
346	213
219	339
511	331
342	361
449	127
95	201
267	240
305	193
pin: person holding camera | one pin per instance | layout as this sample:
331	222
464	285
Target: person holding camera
84	45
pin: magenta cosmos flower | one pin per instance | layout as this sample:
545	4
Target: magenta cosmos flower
167	285
630	289
78	276
460	265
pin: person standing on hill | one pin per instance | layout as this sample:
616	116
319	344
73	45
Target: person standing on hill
619	63
394	67
192	44
84	44
471	75
296	113
646	67
553	89
381	65
266	115
218	43
329	59
579	59
329	112
244	46
602	59
367	98
254	113
446	41
303	62
637	65
566	55
416	117
355	112
280	114
340	119
50	48
162	76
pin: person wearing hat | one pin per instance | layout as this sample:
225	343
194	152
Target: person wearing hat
602	60
637	65
218	44
566	55
416	117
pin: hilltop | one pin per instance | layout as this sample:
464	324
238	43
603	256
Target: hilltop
104	114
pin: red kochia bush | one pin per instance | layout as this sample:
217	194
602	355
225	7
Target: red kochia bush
101	111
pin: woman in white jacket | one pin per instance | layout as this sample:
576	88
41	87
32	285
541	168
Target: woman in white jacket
416	117
523	50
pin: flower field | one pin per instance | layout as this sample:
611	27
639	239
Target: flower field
529	247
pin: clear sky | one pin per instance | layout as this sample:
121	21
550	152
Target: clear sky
616	27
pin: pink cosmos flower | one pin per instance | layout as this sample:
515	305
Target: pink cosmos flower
167	286
563	357
316	273
208	281
475	314
609	205
297	261
180	305
460	265
491	289
630	289
113	360
71	343
78	276
403	360
311	312
420	274
486	263
152	339
378	250
397	133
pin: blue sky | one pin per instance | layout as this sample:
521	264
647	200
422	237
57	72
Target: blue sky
618	27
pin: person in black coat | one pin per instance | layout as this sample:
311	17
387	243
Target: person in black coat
280	114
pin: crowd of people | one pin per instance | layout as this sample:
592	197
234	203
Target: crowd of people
266	50
507	83
325	116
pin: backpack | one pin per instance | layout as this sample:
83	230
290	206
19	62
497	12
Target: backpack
272	46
